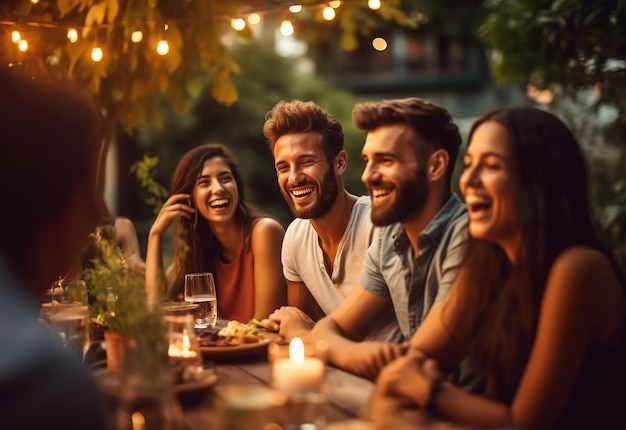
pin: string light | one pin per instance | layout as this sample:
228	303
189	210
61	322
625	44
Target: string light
238	24
254	18
379	44
328	13
374	4
163	47
136	36
22	45
286	28
72	35
96	54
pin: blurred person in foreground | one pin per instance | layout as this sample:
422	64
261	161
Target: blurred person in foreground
325	246
409	153
539	305
48	162
222	234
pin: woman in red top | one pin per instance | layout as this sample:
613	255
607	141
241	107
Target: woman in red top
219	233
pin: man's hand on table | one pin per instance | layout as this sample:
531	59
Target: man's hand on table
289	322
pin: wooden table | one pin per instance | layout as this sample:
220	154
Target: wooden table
346	399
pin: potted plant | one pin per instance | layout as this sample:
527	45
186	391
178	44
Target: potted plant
118	304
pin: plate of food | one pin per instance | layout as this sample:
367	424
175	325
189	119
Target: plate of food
236	339
111	383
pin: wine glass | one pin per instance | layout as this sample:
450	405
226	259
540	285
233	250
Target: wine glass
69	316
200	290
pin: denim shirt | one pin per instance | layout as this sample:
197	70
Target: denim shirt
415	284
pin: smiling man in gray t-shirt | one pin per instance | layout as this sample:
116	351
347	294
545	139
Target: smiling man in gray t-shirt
324	248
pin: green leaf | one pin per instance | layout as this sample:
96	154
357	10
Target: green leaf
66	6
112	10
223	89
96	14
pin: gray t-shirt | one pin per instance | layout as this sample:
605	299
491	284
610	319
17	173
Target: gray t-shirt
415	284
303	261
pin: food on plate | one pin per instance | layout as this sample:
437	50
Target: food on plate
238	333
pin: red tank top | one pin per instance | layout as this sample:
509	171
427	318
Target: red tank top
234	284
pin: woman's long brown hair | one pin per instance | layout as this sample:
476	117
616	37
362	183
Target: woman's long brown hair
500	301
195	245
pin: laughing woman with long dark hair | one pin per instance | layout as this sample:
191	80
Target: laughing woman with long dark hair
219	233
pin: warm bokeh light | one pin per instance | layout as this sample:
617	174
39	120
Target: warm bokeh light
136	36
379	44
295	8
53	60
96	54
238	24
163	47
328	13
286	28
540	96
72	35
16	36
22	45
374	4
254	18
334	3
34	1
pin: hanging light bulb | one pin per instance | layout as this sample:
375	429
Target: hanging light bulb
334	3
295	8
286	28
72	35
96	54
328	13
163	47
16	36
374	4
136	36
238	24
22	45
254	18
379	44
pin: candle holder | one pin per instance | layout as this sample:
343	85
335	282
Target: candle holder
298	371
183	350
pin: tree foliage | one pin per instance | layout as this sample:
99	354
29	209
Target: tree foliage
573	47
133	82
564	44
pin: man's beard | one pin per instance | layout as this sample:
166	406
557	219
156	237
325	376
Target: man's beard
410	198
326	198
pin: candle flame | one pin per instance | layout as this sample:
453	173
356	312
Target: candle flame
296	351
186	346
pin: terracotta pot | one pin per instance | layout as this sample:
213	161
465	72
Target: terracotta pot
116	346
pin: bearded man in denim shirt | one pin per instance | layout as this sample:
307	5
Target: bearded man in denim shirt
409	153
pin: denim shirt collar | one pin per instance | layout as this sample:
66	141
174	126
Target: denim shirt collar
434	229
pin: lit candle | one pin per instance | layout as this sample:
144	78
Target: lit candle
297	374
182	350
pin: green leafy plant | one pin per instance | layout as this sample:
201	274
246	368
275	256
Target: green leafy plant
118	297
144	170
